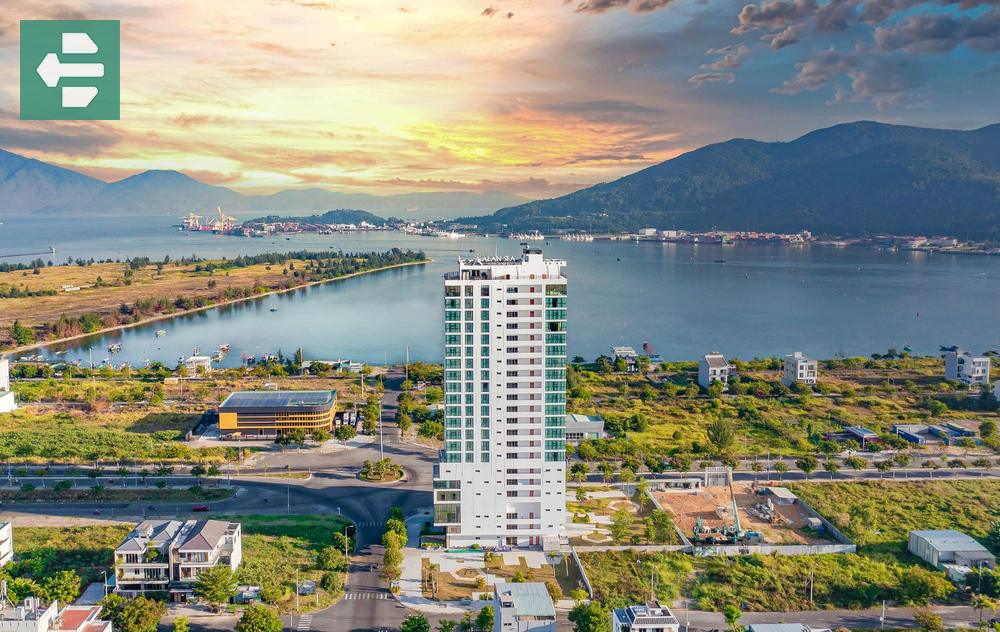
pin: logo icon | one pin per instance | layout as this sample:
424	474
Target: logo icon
70	70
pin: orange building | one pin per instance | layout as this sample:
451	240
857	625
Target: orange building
269	414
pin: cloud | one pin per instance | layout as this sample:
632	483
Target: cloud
712	77
636	6
63	138
732	57
774	14
883	82
938	32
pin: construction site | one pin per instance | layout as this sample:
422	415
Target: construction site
723	512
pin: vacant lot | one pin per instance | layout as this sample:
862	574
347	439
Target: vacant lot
878	515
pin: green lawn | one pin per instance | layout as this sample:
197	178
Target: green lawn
42	551
878	515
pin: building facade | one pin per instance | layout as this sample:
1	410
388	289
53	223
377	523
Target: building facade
7	402
964	367
799	368
34	616
523	607
713	367
267	414
580	427
501	477
648	617
6	543
168	555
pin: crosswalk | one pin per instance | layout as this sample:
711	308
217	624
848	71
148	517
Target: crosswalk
371	523
352	596
305	623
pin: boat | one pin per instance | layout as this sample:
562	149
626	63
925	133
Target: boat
161	332
218	356
274	309
115	348
224	348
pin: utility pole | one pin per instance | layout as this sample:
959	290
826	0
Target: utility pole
288	498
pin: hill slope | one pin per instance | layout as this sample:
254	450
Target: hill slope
848	179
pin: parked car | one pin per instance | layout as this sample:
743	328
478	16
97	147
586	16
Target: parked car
200	508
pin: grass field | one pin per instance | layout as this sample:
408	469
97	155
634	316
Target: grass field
85	493
86	550
878	515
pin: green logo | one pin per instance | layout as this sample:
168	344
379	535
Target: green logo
70	70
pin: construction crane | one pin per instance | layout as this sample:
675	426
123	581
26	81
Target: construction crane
223	222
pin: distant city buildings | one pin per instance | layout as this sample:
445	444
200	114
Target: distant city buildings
6	543
269	414
713	367
523	607
648	617
501	477
964	367
32	616
799	368
168	555
7	402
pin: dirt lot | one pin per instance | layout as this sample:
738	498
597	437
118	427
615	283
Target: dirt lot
687	507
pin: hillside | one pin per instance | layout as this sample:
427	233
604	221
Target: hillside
33	186
849	179
338	216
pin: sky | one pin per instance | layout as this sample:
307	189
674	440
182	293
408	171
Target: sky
534	97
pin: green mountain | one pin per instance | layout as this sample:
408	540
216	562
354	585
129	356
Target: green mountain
338	216
851	179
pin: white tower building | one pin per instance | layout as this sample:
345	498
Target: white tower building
501	477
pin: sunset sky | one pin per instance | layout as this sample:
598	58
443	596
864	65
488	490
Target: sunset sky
536	97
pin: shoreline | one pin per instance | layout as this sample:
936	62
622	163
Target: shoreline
153	319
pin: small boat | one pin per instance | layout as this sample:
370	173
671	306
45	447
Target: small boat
218	356
274	309
115	348
161	332
224	348
720	261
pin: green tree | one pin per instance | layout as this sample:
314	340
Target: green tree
581	493
621	523
415	623
331	583
295	435
831	467
258	618
331	558
856	463
927	620
63	587
590	617
780	467
721	435
136	615
345	433
807	464
732	615
216	584
182	624
484	620
447	625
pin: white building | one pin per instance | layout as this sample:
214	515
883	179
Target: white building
6	543
501	477
32	616
168	555
649	617
7	402
713	368
196	362
948	547
628	355
523	607
964	367
799	368
580	427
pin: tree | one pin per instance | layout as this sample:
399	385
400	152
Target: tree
807	464
295	435
63	587
258	618
331	558
345	433
331	583
447	625
927	620
415	623
626	475
642	493
721	435
590	617
182	624
320	436
606	470
982	602
216	584
780	467
732	615
831	467
484	620
581	493
987	428
621	523
137	615
856	463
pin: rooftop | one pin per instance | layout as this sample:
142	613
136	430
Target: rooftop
716	360
650	614
150	532
278	399
205	535
584	420
862	432
778	627
529	599
950	540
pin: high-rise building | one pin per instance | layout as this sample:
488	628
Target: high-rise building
501	477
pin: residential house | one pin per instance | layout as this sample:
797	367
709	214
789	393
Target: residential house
7	402
33	616
964	367
523	607
648	617
198	364
6	543
713	367
799	368
168	555
580	427
627	355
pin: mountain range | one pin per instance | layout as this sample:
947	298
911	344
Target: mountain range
32	186
850	179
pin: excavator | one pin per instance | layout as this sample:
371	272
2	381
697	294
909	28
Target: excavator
734	534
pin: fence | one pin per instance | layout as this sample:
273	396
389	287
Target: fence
583	571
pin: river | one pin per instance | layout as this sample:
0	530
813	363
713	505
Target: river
764	300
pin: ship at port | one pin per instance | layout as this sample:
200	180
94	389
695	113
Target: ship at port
218	224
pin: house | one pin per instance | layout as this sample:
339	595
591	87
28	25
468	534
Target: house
713	367
7	402
6	543
198	362
580	427
648	617
799	368
914	433
628	355
950	550
168	555
862	435
781	627
32	616
523	607
268	414
964	367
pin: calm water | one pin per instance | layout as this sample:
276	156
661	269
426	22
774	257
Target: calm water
762	301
